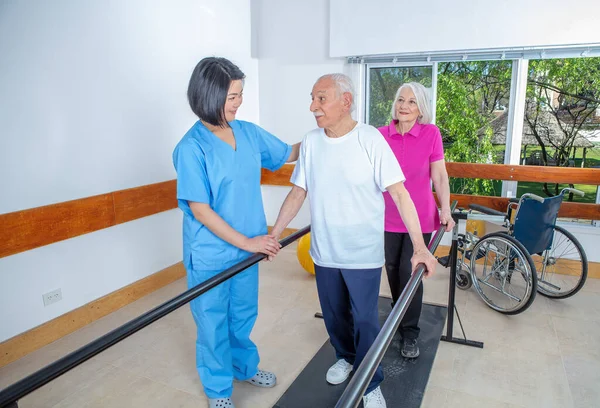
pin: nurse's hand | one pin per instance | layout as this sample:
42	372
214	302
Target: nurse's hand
264	244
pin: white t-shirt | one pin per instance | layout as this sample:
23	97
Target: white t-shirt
344	178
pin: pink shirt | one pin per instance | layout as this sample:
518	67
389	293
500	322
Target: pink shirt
415	151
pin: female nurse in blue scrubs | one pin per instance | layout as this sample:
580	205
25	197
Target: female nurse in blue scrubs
218	164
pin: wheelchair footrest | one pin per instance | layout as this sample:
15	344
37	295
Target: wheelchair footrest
444	261
480	254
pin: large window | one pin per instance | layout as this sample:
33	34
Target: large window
561	114
562	121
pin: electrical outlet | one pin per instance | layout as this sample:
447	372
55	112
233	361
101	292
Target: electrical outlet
52	297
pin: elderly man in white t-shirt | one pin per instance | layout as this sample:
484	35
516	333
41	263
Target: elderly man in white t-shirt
344	167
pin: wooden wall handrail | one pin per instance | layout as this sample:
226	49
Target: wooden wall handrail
508	172
495	172
280	177
28	229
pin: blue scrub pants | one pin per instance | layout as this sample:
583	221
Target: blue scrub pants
348	300
225	316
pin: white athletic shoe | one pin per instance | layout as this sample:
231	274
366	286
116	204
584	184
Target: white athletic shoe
374	399
339	372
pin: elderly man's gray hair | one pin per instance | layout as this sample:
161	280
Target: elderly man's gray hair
343	84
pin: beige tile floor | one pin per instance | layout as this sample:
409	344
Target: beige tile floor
548	356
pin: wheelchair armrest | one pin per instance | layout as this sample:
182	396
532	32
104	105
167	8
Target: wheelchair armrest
485	210
513	200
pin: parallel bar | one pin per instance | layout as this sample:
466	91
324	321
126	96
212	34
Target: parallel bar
13	393
452	286
449	337
360	381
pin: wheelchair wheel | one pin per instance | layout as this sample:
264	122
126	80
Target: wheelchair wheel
562	269
503	273
463	277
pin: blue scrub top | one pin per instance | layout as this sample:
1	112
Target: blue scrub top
209	171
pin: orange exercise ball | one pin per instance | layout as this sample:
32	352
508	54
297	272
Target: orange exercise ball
303	256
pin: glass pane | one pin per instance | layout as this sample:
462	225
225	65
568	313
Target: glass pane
472	105
562	121
383	84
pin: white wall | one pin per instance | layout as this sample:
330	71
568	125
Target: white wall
92	100
589	237
292	44
360	27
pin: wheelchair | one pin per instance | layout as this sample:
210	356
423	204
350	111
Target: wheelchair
531	254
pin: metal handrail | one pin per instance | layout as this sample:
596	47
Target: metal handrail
362	377
11	394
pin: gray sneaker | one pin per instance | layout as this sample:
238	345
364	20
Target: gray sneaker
220	403
263	378
410	348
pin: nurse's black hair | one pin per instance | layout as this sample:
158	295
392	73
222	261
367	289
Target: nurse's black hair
208	88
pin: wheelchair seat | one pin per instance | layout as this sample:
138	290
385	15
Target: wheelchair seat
534	223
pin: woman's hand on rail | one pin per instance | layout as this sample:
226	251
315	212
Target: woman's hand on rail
425	257
264	244
446	219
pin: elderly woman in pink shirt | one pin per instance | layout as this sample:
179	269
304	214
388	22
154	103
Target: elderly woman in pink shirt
418	147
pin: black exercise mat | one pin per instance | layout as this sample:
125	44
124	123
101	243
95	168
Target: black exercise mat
405	380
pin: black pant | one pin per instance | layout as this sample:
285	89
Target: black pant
398	251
